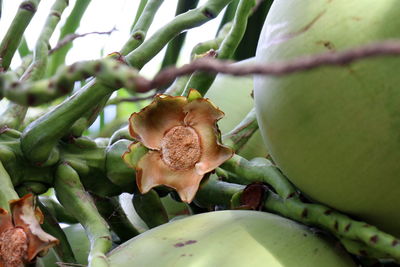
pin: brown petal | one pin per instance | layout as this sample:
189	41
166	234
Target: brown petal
150	124
202	116
5	220
26	216
152	171
202	111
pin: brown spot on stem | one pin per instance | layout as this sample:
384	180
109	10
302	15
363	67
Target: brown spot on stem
355	18
31	99
291	195
14	85
72	68
56	14
253	196
336	225
97	67
374	239
328	212
395	242
3	129
304	213
327	44
138	36
29	6
347	228
208	13
363	253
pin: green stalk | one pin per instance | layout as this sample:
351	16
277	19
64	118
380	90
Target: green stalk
57	211
174	47
51	226
137	36
242	171
139	11
13	116
33	93
23	48
140	28
11	40
70	26
193	18
112	212
336	223
239	136
38	67
201	80
229	14
77	201
7	191
150	208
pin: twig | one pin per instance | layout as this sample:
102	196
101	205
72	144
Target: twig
71	37
385	48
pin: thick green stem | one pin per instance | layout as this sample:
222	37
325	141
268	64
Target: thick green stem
239	136
11	40
193	18
70	26
57	211
38	67
108	71
76	200
150	208
13	116
201	80
112	212
7	191
23	48
335	222
139	11
139	30
174	47
214	192
242	171
51	226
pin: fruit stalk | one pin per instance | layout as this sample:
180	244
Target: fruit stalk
11	40
70	26
76	200
202	81
7	191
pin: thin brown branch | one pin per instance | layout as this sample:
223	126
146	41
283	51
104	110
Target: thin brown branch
71	37
385	48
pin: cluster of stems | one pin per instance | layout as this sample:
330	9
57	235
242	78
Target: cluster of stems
88	175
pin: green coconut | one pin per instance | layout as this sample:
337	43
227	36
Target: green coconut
335	131
230	238
233	96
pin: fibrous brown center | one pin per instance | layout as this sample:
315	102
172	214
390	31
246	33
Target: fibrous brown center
13	247
180	148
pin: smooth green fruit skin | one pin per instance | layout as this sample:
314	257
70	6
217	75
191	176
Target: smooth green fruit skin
233	96
335	131
231	239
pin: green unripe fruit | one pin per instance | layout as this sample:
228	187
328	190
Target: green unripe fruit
335	131
233	96
230	238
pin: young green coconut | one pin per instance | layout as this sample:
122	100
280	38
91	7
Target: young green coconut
21	237
183	141
334	131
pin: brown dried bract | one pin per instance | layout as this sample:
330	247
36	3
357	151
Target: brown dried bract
184	140
21	237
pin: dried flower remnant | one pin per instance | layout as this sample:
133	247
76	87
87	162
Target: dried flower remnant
21	237
183	139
